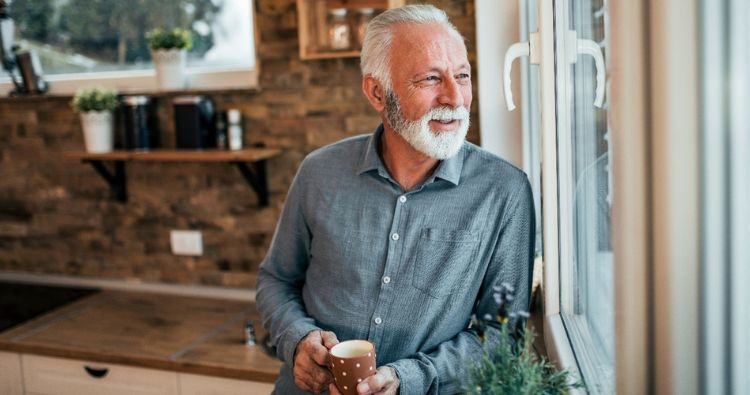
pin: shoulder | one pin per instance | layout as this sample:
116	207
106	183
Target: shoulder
343	153
348	149
491	168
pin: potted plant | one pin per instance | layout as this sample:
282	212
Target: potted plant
169	51
509	364
95	106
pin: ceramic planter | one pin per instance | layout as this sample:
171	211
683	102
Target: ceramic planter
170	68
97	131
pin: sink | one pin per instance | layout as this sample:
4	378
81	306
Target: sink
20	302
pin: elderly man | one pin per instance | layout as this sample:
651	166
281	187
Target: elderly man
398	236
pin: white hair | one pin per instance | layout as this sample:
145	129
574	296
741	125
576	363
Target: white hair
374	58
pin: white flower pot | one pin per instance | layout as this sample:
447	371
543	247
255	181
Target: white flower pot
97	131
170	68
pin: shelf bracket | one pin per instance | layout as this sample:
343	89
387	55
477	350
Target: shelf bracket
256	177
117	182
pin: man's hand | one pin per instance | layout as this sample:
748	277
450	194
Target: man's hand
311	371
384	382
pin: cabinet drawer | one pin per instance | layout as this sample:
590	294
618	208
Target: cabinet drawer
193	384
10	374
46	375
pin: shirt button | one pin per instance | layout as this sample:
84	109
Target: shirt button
378	320
394	236
386	279
402	199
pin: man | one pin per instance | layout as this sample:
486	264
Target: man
399	236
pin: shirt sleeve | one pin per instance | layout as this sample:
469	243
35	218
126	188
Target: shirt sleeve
443	369
282	274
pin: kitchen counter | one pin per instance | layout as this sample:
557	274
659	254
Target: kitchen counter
178	333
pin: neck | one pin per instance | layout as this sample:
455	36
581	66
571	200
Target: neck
406	165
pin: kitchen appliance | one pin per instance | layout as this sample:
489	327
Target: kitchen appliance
195	122
23	65
138	126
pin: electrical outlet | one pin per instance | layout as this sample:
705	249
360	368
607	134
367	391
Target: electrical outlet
186	242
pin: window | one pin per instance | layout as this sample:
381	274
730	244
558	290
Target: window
102	41
585	184
567	154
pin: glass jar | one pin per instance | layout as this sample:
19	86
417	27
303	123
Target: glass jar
338	29
365	16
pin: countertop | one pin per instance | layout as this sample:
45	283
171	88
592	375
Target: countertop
161	331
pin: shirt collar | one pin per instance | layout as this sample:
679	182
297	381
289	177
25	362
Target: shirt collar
448	169
371	159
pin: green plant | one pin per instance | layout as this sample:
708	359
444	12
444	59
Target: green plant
175	39
94	99
509	365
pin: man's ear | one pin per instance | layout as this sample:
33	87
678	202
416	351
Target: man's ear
374	92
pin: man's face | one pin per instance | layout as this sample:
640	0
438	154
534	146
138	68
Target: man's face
431	96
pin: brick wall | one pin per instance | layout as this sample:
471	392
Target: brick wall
57	215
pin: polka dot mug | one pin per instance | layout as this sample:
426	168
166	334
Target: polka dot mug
351	362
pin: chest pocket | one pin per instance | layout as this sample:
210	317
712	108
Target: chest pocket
442	260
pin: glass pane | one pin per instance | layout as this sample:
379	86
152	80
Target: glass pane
75	36
586	261
532	143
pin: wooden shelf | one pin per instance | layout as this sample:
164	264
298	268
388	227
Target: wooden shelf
251	163
313	25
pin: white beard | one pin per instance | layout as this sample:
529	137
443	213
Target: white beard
437	145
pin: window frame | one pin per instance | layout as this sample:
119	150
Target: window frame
199	78
557	244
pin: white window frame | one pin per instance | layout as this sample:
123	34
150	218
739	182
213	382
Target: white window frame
555	337
144	81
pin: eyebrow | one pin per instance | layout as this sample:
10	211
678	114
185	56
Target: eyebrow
464	66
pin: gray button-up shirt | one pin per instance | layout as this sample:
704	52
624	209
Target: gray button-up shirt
355	254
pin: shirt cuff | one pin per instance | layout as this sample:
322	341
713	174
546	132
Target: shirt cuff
291	338
412	380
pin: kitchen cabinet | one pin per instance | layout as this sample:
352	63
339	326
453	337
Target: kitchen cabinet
194	384
10	374
59	376
318	26
115	342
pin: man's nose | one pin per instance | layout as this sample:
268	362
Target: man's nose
451	94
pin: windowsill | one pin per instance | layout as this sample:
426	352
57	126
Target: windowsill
155	94
144	82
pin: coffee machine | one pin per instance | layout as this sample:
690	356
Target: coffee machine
23	65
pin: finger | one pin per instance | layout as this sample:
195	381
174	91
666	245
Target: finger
333	389
329	339
313	376
319	354
377	382
316	373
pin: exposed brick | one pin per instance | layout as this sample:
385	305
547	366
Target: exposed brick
57	215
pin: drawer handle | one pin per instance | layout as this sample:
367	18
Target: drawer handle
96	373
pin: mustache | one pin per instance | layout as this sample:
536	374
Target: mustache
447	113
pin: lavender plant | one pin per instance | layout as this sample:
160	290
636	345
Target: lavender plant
510	365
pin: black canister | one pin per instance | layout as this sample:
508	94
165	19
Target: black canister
139	131
194	122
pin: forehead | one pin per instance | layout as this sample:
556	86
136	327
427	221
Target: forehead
426	45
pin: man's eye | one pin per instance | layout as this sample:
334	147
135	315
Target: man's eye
432	78
463	76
